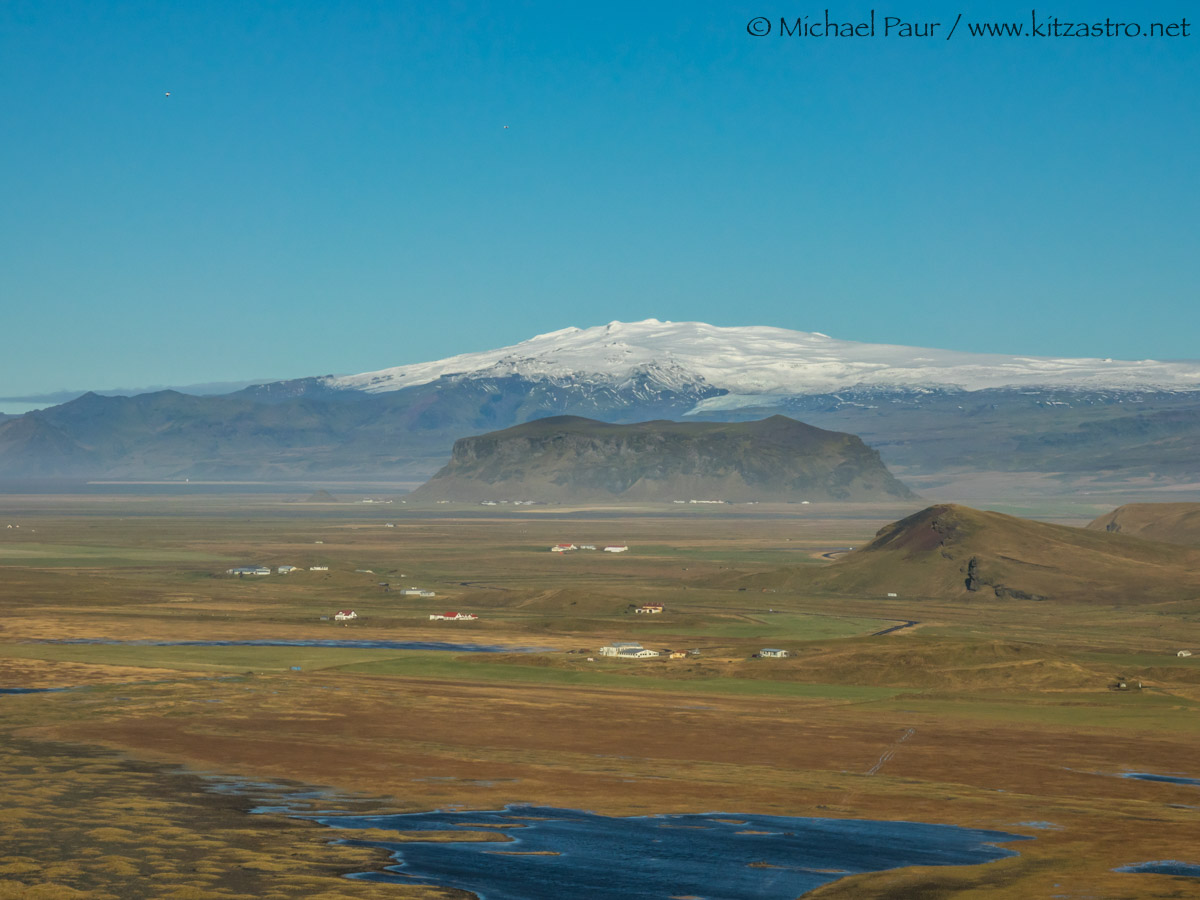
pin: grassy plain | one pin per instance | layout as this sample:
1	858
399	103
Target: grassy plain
989	713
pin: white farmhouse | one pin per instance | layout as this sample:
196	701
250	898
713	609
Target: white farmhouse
345	615
771	653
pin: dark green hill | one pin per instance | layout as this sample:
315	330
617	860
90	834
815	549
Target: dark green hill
955	552
1174	523
568	459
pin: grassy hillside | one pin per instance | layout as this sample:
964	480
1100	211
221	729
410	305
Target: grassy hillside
951	551
1173	523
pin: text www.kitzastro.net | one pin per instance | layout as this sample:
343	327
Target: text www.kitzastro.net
1037	25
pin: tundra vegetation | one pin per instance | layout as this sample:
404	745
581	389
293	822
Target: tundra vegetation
942	704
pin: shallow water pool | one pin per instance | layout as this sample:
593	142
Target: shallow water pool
553	853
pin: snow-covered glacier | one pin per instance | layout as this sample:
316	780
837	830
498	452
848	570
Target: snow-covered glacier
759	362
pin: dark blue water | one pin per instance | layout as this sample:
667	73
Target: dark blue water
353	645
1164	867
715	856
30	690
1170	779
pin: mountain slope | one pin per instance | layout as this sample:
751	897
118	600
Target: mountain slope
761	362
930	413
955	552
573	459
1172	523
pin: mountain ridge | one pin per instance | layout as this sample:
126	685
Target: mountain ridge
761	361
327	426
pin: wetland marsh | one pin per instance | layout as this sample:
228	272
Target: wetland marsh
994	716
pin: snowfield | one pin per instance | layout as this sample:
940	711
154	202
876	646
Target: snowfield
754	361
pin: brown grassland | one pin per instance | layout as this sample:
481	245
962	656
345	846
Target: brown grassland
1007	704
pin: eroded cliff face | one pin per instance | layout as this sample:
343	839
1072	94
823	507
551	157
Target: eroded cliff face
571	459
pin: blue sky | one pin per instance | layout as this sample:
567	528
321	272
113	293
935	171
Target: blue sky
331	188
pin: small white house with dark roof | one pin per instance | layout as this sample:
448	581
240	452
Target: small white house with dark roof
771	653
345	615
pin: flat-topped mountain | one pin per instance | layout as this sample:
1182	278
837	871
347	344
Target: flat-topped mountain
1174	523
956	552
568	459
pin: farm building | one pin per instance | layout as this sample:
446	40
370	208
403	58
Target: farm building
773	654
615	648
562	548
284	570
678	654
249	570
587	546
344	615
637	653
318	568
1184	653
616	548
650	608
452	617
417	592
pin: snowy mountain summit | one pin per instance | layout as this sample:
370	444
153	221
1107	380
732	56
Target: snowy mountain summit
748	365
